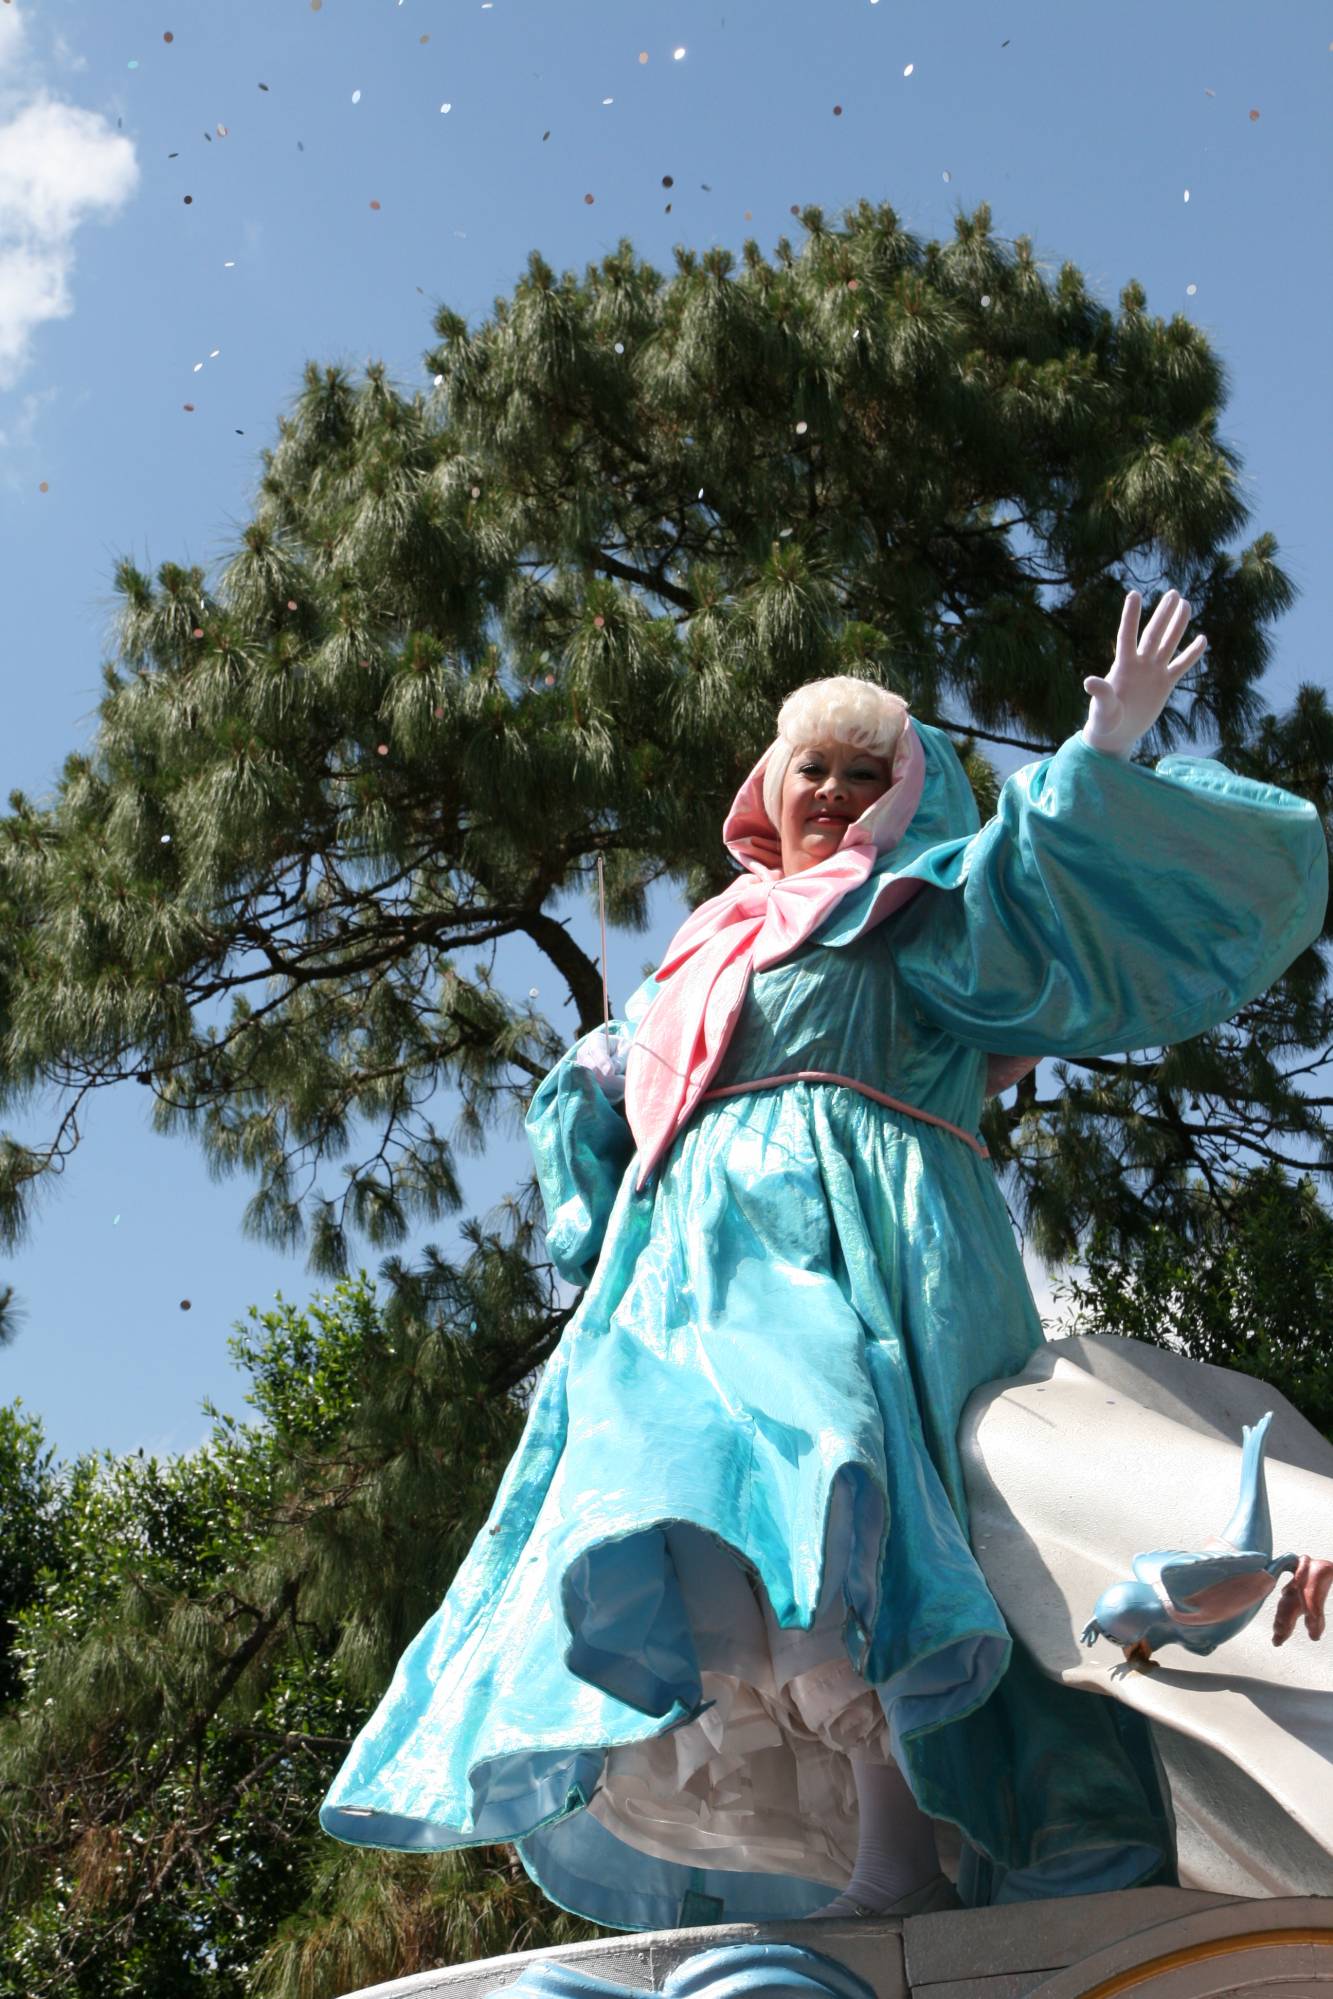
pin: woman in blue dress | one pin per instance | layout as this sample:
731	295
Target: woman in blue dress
722	1647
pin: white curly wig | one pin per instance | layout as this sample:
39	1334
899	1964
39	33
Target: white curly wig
840	709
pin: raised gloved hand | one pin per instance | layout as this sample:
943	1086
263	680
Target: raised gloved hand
1133	694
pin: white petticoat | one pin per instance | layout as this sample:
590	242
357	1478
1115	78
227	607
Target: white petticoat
761	1781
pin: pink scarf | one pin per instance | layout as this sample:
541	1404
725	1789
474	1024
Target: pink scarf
759	920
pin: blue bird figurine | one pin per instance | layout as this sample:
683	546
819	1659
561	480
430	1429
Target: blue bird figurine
1199	1598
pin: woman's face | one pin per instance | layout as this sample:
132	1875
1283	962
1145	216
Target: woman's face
826	787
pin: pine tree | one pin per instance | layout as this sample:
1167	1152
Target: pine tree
475	638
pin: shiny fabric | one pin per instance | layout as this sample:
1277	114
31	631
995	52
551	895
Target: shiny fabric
761	918
737	1508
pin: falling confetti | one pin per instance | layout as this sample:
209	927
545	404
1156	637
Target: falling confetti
383	749
802	428
197	366
185	1304
168	36
263	86
374	204
589	199
198	631
476	492
620	346
230	264
356	97
115	1220
747	217
545	137
668	180
643	55
315	6
213	353
1253	116
447	107
608	100
1190	290
853	284
910	67
1187	194
133	63
44	488
221	131
599	622
165	841
678	55
837	110
190	408
947	174
532	992
188	199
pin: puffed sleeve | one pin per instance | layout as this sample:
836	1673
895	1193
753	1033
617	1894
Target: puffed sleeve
581	1142
1108	907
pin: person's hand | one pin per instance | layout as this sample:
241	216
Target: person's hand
1133	694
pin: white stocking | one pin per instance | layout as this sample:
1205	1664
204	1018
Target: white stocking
895	1851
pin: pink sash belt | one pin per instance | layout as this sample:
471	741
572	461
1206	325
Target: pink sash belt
831	1076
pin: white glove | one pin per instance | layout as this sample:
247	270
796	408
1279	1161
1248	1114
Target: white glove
605	1051
1133	694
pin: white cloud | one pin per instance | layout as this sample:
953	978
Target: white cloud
59	166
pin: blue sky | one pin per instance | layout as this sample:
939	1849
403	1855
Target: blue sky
1083	127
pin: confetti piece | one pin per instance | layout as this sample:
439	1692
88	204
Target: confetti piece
476	492
545	137
449	107
439	381
44	487
315	6
423	40
611	100
550	680
114	1220
374	204
213	353
910	67
643	55
1190	290
291	603
678	55
837	110
620	346
668	180
198	631
185	1304
190	407
438	713
599	623
1187	194
263	86
589	199
165	841
230	264
168	36
383	749
1253	116
532	992
221	131
747	217
197	366
947	174
853	284
802	428
794	209
356	97
133	63
188	199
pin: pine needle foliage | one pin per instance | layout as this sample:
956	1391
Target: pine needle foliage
475	637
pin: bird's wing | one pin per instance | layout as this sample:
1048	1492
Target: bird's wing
1148	1568
1209	1589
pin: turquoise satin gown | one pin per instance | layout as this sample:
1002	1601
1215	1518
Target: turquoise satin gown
760	1389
